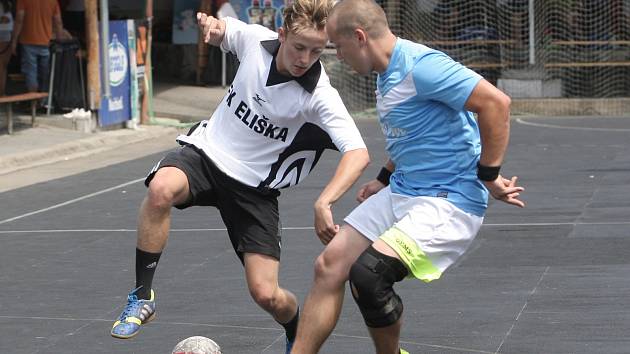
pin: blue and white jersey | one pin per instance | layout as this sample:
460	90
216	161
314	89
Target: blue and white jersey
433	141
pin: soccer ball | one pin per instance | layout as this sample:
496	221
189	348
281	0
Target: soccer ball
197	345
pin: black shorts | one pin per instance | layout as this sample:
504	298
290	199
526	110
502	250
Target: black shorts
250	214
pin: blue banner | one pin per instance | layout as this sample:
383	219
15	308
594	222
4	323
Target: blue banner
117	108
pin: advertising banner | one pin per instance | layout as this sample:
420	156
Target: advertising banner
185	29
263	12
117	107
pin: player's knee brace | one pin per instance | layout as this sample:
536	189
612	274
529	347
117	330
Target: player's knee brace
371	279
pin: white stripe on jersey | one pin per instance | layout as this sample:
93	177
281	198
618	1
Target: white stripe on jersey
398	94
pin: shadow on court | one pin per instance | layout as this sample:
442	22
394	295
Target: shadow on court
550	278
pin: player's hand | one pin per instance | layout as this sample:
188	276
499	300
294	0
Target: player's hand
14	48
369	188
505	190
212	28
325	227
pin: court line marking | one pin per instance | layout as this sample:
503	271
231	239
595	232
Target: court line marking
274	329
278	338
38	318
71	201
421	344
546	125
531	293
303	227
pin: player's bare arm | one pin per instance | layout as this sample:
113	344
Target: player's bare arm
348	171
212	28
493	115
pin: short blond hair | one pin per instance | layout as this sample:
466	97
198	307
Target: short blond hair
349	15
306	14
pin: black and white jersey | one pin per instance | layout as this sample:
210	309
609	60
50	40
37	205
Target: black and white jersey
270	130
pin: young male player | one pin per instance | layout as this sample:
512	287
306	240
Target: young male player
269	131
425	207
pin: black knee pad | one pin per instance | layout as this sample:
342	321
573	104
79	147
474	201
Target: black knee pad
371	279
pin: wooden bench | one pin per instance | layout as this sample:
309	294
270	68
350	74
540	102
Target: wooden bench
29	96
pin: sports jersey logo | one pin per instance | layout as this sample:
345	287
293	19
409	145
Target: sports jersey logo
294	169
393	132
257	123
299	158
259	99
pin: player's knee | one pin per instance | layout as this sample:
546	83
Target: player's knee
372	278
265	296
158	196
328	268
161	194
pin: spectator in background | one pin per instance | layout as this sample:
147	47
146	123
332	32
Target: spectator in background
6	28
35	21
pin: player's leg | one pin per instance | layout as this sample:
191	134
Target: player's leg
261	272
324	301
168	186
253	223
372	278
431	235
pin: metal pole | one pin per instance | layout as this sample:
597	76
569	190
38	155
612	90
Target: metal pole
532	34
105	46
52	80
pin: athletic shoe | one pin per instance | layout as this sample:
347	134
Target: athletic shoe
136	313
289	345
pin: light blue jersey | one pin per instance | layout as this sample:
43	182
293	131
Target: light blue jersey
433	141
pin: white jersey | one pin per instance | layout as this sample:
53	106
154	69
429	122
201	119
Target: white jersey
270	130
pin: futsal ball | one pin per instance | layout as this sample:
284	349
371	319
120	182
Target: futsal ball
197	345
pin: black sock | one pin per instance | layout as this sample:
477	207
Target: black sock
146	263
291	326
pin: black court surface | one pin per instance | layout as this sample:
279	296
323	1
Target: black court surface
551	278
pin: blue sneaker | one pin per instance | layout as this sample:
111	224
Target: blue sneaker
136	313
289	344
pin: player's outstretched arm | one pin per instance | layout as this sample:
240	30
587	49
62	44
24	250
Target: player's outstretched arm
212	28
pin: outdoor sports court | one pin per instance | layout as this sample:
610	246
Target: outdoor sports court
551	278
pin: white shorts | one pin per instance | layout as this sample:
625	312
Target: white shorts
428	233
